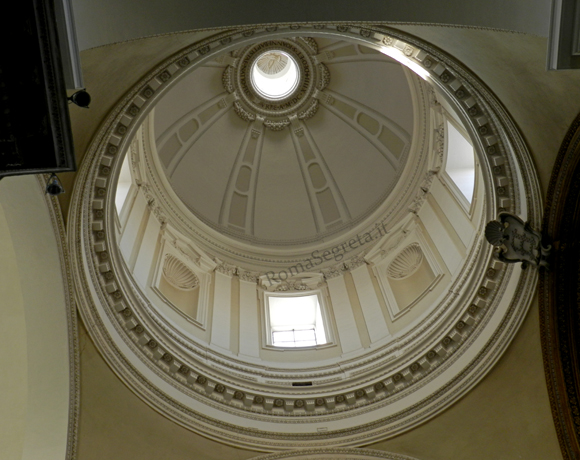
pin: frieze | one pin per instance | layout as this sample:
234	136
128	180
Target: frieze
251	277
355	261
421	196
226	269
291	285
333	272
440	141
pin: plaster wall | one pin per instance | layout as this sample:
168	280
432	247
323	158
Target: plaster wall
34	334
116	424
14	377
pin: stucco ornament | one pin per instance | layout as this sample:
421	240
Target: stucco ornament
272	63
406	263
177	274
274	57
516	241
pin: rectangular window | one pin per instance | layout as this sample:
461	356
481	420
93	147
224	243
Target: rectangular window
124	184
295	320
460	164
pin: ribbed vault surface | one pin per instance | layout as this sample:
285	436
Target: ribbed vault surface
231	158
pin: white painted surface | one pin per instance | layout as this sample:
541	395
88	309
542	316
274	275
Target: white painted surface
222	311
456	215
144	262
249	320
438	232
131	230
372	311
345	323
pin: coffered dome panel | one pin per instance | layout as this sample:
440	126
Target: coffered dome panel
189	93
283	210
362	174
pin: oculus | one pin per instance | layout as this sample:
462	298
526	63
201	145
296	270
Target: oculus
275	75
276	80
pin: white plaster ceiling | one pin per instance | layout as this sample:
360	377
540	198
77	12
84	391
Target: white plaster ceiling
279	209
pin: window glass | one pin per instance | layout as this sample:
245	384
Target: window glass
460	166
123	185
296	321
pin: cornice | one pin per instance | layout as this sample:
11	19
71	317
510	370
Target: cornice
454	349
334	454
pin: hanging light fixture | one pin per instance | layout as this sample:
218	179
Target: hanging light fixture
81	98
53	186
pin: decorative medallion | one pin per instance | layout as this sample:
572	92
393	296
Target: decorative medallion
276	80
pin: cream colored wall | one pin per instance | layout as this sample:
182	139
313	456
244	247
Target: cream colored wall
505	417
116	424
34	377
14	375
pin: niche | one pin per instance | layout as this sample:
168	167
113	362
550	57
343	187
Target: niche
409	276
179	285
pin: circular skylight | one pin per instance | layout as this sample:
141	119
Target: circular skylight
275	74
